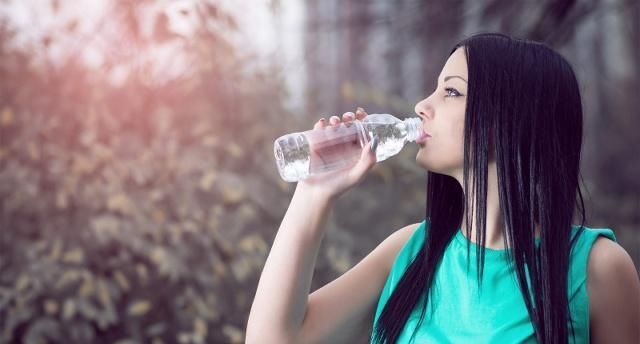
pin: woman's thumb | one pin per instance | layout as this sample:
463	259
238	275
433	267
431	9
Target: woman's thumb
367	159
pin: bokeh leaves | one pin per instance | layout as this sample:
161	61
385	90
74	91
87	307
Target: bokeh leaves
128	211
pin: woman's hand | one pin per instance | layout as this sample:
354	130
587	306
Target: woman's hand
330	185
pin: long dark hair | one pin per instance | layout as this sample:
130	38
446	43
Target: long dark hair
524	109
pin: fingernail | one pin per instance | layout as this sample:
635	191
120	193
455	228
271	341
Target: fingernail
322	120
374	144
360	109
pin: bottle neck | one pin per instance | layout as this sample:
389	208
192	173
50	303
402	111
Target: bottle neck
414	128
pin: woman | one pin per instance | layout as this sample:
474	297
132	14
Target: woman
503	152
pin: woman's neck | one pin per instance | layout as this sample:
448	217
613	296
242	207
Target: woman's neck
494	238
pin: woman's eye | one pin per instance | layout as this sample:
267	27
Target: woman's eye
451	92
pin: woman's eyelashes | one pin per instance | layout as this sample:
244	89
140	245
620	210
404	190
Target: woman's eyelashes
451	92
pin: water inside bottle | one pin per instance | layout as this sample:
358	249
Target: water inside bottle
334	147
315	151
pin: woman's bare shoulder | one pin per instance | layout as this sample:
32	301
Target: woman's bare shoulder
395	241
614	294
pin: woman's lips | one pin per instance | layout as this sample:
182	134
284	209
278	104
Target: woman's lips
423	137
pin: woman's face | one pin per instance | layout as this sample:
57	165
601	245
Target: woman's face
442	116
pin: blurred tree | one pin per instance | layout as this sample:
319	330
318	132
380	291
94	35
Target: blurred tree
131	187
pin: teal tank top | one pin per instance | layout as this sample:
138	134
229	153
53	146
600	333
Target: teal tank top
494	314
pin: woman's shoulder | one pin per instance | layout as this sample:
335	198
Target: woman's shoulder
607	256
614	292
405	243
582	242
608	262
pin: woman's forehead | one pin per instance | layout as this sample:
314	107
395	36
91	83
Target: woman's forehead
456	65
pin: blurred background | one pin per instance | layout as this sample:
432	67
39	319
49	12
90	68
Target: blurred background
138	192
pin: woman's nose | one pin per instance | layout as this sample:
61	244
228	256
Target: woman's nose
424	110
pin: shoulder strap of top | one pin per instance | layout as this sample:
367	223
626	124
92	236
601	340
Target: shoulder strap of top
583	238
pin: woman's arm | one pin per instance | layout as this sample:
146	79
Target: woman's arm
278	311
614	294
339	312
281	297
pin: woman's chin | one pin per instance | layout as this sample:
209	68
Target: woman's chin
423	163
435	167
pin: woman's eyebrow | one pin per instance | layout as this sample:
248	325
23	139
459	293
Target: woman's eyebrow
454	76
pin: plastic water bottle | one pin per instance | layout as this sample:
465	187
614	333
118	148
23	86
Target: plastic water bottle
303	154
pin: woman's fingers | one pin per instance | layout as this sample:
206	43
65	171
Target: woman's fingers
360	113
348	116
320	124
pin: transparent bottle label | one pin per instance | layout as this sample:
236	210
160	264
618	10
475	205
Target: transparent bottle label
333	147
